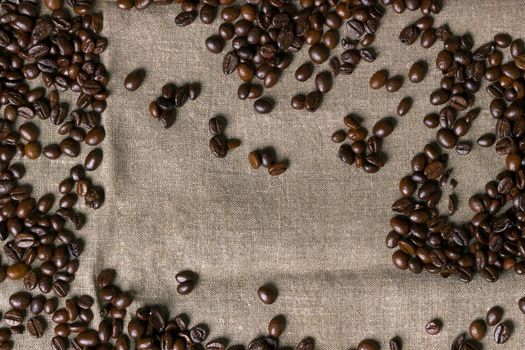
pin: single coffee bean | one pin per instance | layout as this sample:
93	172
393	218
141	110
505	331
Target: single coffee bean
263	106
368	344
463	147
478	330
502	333
433	327
298	101
383	127
409	35
486	140
218	146
277	168
106	278
186	275
185	287
323	81
304	72
417	72
36	327
267	294
255	159
216	125
93	159
378	79
20	300
404	106
276	326
134	79
494	315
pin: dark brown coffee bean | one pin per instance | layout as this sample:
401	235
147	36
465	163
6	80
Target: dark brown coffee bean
404	106
417	72
383	127
478	330
134	79
409	35
276	326
95	136
93	159
323	81
304	72
502	333
463	147
218	146
313	101
494	315
298	101
20	300
394	84
368	344
263	105
267	294
378	79
35	327
185	287
318	53
106	278
13	317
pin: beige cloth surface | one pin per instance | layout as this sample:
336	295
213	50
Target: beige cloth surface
317	231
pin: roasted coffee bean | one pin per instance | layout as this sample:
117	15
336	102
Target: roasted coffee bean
263	105
417	72
106	278
267	294
409	35
304	72
14	318
378	79
323	82
394	84
35	327
134	79
383	127
404	106
313	101
502	333
368	344
20	300
494	315
433	327
218	146
478	330
318	53
463	147
93	159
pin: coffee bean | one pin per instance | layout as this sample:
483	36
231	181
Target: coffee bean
304	72
368	344
378	79
323	81
276	326
383	127
106	278
263	106
463	147
502	333
446	138
214	44
306	344
478	329
404	106
134	79
267	294
20	300
394	84
218	146
185	287
313	101
14	317
255	159
318	53
93	159
494	315
35	327
185	275
409	35
298	101
95	136
417	72
433	327
277	168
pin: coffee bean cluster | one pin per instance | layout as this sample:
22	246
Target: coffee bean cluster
264	36
364	153
187	280
172	97
426	7
267	158
381	79
219	144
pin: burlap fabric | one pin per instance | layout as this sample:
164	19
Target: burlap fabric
317	231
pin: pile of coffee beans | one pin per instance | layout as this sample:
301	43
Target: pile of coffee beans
171	98
267	158
187	280
364	153
265	35
219	144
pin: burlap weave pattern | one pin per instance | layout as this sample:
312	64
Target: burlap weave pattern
317	231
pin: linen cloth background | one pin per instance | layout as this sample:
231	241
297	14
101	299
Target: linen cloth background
317	231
